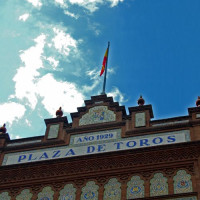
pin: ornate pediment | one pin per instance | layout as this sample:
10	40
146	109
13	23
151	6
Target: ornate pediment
99	109
97	114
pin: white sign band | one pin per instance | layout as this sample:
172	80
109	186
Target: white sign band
88	149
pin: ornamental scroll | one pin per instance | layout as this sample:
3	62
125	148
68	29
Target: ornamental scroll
97	114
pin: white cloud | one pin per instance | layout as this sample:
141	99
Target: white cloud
91	5
28	122
63	42
88	88
115	2
93	75
24	17
117	95
11	112
60	2
53	62
94	27
35	3
12	136
30	85
60	93
71	14
25	87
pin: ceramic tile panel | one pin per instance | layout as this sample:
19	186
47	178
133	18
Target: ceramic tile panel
97	114
68	193
158	185
25	195
112	190
182	182
46	194
135	188
90	191
5	196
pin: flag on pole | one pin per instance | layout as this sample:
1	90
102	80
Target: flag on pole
104	62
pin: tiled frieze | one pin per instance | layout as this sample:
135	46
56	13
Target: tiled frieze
46	194
159	185
182	182
90	191
68	193
97	114
112	190
5	196
135	188
25	195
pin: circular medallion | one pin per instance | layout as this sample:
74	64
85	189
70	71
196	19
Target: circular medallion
183	184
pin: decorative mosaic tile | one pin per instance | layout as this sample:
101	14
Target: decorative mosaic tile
97	114
182	182
185	198
46	194
5	196
140	119
90	191
112	190
68	193
159	185
25	195
135	188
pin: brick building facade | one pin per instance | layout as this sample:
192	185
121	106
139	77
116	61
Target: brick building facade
105	154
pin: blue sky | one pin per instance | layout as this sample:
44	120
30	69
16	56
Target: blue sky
51	53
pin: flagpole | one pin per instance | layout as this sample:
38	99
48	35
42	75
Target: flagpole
104	82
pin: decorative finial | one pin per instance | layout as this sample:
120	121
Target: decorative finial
141	101
59	112
3	129
198	101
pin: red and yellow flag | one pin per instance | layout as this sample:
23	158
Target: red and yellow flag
104	62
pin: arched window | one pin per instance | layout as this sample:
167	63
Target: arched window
159	185
135	188
112	190
182	182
